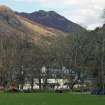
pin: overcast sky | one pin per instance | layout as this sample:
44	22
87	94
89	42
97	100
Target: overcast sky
85	12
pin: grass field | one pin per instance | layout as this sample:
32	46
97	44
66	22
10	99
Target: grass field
50	99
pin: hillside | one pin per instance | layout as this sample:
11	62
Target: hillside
54	20
13	25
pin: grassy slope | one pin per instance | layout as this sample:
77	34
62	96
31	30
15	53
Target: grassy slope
50	99
13	25
39	32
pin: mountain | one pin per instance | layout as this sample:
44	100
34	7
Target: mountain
25	47
100	29
12	24
52	19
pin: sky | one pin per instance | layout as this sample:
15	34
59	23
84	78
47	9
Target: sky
87	13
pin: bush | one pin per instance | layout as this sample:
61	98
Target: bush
12	90
58	91
98	91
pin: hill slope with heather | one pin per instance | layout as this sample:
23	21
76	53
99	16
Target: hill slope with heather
54	20
13	25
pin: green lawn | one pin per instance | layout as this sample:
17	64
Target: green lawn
50	99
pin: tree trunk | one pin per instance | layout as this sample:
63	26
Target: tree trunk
32	83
